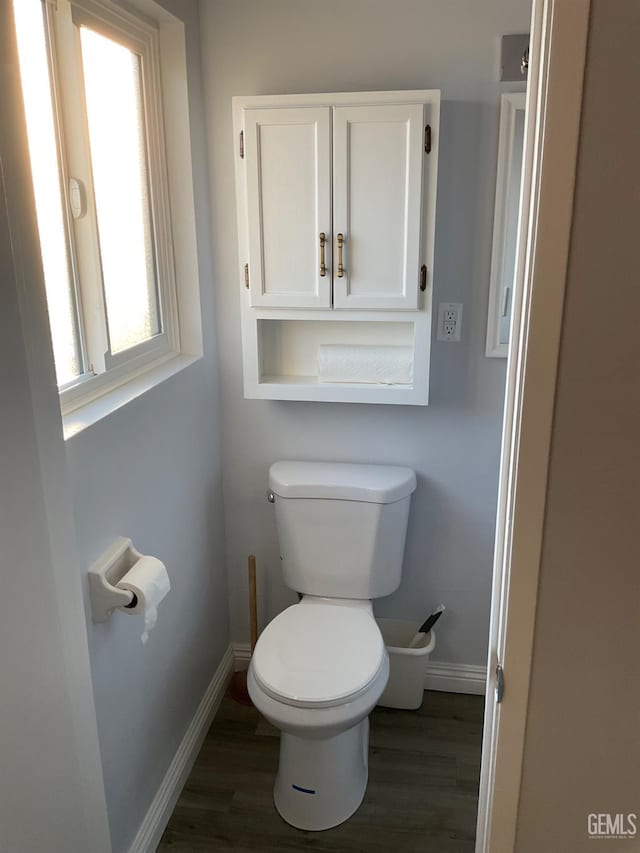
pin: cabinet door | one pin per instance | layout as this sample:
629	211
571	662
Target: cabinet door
377	186
289	205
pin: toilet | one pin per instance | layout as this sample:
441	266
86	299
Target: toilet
320	666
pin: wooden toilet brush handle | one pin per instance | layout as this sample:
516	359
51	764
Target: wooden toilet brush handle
253	607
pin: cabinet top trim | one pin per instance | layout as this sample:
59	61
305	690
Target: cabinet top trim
332	99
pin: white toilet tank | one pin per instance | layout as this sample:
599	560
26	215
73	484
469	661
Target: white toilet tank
341	527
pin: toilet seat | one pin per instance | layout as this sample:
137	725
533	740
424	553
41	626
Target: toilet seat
317	654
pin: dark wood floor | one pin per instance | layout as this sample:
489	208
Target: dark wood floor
422	795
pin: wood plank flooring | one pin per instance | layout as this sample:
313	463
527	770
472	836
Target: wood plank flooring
422	796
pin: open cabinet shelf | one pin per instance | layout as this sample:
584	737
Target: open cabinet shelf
287	359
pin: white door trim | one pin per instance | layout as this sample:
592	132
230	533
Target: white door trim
552	122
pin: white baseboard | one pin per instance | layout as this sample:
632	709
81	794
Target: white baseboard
156	819
241	655
455	677
448	677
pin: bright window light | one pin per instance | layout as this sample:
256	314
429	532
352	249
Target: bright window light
36	88
115	115
93	95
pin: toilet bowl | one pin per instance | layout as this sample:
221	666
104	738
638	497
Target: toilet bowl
317	672
321	665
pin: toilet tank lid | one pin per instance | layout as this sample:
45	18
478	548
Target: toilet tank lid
341	481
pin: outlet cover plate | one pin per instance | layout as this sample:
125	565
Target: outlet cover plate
449	321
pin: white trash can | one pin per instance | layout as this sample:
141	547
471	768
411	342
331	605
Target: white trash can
407	667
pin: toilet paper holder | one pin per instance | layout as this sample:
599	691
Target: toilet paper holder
105	573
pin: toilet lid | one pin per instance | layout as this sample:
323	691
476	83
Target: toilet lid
318	654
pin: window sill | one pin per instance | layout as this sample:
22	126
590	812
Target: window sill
86	414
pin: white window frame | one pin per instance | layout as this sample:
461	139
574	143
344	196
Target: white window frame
110	380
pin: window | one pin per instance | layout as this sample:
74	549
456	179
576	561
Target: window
92	91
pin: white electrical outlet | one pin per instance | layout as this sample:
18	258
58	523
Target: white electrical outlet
449	321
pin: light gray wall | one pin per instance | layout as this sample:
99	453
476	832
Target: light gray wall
152	471
280	46
38	738
51	788
582	751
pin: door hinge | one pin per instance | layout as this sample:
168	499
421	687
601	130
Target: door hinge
423	277
499	684
427	139
242	144
246	276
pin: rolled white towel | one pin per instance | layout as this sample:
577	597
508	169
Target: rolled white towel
377	365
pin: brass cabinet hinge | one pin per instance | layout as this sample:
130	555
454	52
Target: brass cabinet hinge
423	277
246	276
427	139
242	143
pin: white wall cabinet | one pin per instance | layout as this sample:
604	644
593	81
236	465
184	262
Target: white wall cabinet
288	154
378	152
336	213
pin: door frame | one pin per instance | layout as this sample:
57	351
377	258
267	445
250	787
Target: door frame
552	123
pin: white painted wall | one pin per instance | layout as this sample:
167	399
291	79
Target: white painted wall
150	471
284	46
43	690
582	750
51	789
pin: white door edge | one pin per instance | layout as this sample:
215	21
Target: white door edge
552	120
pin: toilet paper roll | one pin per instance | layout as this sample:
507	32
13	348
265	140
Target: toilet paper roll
378	365
149	581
